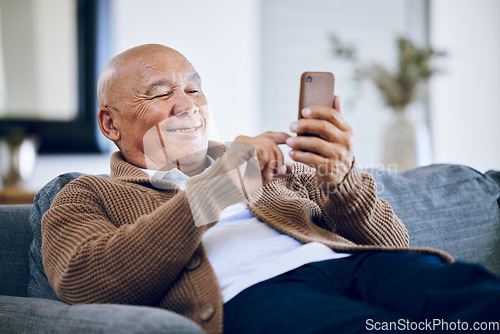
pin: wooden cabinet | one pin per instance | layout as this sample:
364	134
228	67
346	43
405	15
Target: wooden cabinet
16	196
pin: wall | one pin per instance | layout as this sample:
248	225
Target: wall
465	102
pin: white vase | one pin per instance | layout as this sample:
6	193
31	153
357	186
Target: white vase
400	143
17	161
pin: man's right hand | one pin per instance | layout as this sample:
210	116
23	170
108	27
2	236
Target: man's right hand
270	157
248	164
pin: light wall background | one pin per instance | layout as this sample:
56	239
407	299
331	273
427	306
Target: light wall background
465	103
38	59
252	88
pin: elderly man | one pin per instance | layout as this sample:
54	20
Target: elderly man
233	238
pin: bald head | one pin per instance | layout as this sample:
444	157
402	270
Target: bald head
118	75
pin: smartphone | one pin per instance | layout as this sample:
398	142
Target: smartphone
316	88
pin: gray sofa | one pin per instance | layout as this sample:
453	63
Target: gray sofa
450	207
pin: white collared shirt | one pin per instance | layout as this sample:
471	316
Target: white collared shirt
174	175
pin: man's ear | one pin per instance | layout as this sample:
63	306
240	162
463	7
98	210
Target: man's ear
107	124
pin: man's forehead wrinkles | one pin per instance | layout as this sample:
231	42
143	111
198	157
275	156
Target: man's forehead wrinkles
147	68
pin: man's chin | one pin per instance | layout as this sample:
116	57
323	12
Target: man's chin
184	159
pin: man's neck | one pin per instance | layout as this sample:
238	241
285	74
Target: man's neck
196	169
187	169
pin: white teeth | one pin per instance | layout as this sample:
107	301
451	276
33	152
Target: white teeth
183	130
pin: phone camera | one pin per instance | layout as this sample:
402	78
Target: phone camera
309	79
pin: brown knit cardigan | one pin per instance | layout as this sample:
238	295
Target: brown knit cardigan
122	240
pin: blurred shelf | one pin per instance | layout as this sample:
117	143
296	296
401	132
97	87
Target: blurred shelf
16	196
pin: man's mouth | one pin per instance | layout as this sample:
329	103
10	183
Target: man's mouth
184	129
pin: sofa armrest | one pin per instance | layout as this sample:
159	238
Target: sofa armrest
15	239
30	315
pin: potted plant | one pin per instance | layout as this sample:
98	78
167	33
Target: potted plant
398	87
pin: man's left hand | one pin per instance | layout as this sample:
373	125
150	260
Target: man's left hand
328	145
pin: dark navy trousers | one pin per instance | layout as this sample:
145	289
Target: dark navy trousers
371	292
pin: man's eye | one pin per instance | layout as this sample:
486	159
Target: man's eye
162	95
193	91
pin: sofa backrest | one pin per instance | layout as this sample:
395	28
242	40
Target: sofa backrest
449	207
39	286
15	240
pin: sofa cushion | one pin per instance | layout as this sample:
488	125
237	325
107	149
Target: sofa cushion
34	315
450	207
15	239
39	285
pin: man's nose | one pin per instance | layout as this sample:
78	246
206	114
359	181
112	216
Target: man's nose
183	105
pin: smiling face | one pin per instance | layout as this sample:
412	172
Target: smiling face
152	95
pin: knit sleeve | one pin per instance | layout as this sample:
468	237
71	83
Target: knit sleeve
88	258
361	216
